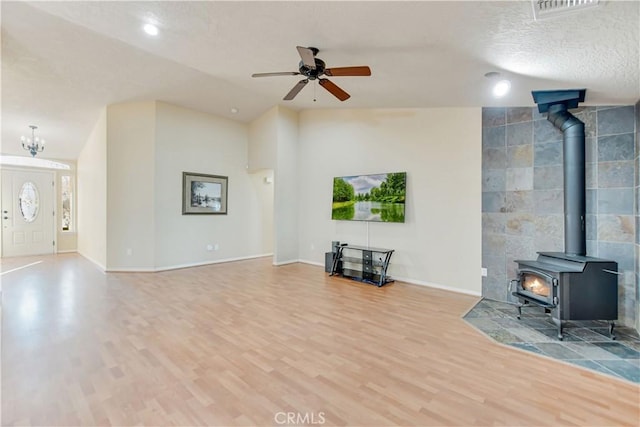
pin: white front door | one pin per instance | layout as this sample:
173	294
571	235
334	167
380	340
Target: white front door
27	212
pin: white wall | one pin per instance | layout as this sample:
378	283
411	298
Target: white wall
262	161
440	149
92	195
273	144
190	141
263	183
286	207
130	186
263	141
135	223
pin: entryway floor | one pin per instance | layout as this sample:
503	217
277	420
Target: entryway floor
585	343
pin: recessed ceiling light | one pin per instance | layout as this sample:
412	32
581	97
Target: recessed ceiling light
234	110
151	29
501	88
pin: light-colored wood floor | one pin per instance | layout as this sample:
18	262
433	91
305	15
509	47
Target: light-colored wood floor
238	343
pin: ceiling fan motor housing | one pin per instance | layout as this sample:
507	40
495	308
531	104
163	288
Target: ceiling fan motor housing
311	73
313	68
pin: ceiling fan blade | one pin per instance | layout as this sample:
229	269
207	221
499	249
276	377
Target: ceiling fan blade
334	89
297	88
348	71
308	58
284	73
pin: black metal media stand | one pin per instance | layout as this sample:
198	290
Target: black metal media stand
362	263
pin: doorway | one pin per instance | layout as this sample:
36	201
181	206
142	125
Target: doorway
28	215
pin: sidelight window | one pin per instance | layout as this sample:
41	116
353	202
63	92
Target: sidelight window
66	188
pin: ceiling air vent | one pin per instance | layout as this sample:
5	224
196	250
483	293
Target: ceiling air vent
547	8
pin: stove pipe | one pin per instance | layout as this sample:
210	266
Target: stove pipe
557	103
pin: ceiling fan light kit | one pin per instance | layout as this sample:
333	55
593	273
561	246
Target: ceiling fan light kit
313	68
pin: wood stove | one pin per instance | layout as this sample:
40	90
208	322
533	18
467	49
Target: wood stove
569	285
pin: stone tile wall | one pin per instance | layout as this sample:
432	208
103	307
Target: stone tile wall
637	211
522	194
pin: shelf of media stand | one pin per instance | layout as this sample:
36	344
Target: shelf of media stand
362	263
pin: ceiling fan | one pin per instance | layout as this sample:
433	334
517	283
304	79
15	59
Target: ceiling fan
313	68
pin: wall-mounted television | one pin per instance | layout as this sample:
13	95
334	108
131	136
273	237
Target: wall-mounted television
377	197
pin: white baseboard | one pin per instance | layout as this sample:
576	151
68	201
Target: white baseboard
291	261
70	251
413	281
306	261
218	261
277	264
438	286
181	266
100	266
130	270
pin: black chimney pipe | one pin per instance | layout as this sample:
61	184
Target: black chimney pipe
575	242
557	103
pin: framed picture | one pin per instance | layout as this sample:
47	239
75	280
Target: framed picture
204	194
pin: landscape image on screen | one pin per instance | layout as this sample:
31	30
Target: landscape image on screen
378	197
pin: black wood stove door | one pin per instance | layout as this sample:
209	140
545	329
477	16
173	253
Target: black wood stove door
537	285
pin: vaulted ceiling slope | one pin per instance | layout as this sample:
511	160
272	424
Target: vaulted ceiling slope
63	61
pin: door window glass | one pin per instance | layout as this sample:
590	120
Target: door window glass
29	201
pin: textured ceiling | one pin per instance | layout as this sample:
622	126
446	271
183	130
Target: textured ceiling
63	61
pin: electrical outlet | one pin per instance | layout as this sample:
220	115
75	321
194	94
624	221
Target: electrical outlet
129	251
313	247
216	247
209	247
484	272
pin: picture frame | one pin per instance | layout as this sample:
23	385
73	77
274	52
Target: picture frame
204	194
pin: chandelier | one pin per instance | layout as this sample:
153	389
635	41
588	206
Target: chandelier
33	145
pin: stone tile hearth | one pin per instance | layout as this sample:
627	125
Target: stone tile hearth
586	343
